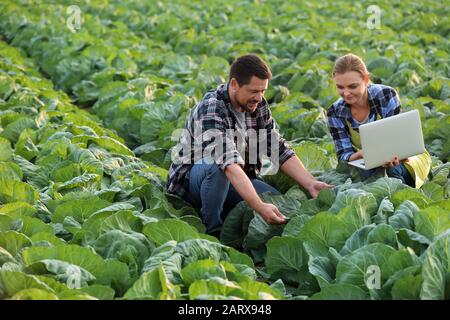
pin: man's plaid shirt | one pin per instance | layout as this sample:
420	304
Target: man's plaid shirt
383	100
212	123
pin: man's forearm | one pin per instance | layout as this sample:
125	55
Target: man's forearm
295	169
243	185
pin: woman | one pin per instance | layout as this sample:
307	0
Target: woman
362	102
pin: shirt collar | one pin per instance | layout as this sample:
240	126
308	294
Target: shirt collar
224	92
224	95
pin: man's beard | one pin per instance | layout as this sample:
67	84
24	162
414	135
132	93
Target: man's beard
246	107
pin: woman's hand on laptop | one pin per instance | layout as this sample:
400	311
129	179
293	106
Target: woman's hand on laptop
357	155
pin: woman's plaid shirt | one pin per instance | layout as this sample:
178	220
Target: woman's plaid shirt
383	100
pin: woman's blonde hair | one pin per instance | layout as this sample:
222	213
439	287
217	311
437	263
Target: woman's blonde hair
350	62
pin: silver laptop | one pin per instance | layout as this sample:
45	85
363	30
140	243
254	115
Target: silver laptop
382	140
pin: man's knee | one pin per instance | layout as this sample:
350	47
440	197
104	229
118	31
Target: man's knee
214	169
261	187
200	171
202	175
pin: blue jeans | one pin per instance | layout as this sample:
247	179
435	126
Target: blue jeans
209	188
399	172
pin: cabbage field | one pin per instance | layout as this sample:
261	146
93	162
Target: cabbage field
91	95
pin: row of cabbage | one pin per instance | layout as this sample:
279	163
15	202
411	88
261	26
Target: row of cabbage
142	73
82	218
142	65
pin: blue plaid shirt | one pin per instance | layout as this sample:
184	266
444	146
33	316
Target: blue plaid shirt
211	119
383	100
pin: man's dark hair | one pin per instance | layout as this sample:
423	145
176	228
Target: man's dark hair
244	67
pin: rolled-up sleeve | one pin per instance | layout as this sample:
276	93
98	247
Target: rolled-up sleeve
392	103
273	136
342	142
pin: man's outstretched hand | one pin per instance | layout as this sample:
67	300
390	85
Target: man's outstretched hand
294	168
271	214
315	186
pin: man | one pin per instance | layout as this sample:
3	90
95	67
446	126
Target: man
228	117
